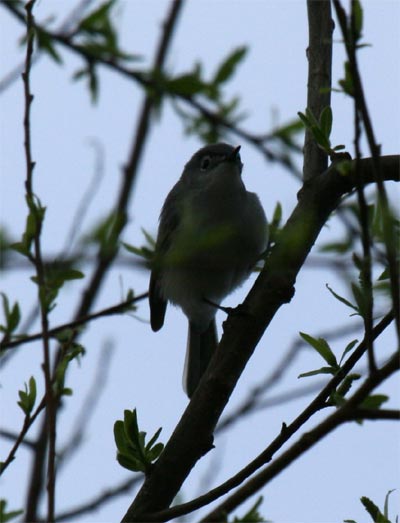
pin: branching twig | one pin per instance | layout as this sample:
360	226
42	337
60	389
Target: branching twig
318	403
35	211
73	325
28	422
306	441
254	402
107	255
145	80
361	104
102	498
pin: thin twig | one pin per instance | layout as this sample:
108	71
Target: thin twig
105	496
366	270
387	219
28	422
306	441
145	80
107	255
88	407
73	325
318	403
36	212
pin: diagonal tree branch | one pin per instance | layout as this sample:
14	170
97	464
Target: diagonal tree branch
306	441
318	403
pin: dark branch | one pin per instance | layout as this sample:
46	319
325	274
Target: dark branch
306	441
319	54
75	324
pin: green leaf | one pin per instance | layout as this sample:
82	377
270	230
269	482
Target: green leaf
325	121
375	401
28	396
361	299
322	347
229	65
45	43
185	85
132	452
287	132
12	317
347	83
357	16
373	511
322	370
153	439
348	348
7	516
304	119
341	299
338	397
340	247
253	515
386	507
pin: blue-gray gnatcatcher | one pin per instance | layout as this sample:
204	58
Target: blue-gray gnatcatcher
211	233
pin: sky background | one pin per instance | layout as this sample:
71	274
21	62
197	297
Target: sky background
145	369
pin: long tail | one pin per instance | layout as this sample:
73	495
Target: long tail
200	347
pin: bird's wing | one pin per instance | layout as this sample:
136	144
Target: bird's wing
169	221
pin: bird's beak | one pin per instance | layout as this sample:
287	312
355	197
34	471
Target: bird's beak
234	154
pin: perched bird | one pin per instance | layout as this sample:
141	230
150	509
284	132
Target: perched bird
211	233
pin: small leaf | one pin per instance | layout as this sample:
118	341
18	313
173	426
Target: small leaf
373	511
185	85
341	299
322	370
348	348
322	347
28	397
357	16
375	401
325	121
228	66
45	43
7	516
386	507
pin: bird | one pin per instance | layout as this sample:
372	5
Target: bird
211	233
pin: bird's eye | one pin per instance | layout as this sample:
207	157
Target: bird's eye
205	163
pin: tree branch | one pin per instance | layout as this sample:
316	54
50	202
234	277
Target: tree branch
319	54
147	81
107	256
388	225
305	442
73	325
318	403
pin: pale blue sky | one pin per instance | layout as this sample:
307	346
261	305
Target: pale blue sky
325	484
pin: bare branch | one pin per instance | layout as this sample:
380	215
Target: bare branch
391	243
306	441
319	54
318	403
107	256
73	325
